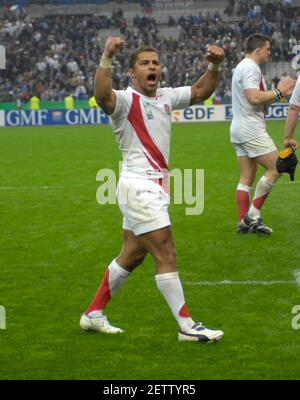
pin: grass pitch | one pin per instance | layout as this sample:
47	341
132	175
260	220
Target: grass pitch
56	242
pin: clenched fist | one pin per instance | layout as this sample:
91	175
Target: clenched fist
214	54
112	46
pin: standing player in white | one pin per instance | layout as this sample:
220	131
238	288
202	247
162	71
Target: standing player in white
249	135
292	118
141	120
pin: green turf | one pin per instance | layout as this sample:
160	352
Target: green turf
55	243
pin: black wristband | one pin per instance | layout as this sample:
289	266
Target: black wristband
279	95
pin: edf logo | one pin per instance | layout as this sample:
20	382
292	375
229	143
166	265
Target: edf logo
2	318
198	113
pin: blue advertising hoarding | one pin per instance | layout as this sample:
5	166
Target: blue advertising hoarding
96	116
274	111
93	116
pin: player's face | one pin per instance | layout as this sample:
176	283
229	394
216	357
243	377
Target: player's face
264	53
146	73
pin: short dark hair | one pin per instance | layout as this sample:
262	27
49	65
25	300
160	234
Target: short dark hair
139	50
256	40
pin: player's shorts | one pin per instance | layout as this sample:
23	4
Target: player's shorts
255	147
144	205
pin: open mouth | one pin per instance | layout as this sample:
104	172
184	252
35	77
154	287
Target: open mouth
151	78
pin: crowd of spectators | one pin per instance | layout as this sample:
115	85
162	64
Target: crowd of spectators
72	2
58	55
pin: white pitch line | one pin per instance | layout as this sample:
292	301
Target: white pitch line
289	182
29	187
251	283
297	276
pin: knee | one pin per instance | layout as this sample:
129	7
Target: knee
132	260
137	259
167	256
247	181
273	175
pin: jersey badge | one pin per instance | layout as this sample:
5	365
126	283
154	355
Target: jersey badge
148	110
167	109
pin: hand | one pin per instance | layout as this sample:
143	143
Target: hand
290	143
113	45
286	86
214	54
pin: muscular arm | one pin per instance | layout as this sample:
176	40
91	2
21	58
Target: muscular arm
204	87
258	97
206	84
104	94
103	91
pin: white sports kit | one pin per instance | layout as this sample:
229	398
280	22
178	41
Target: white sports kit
248	128
295	98
142	126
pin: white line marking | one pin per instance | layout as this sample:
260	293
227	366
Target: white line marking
289	182
297	276
253	283
29	187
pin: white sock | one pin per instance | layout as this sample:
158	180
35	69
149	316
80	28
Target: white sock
117	277
243	187
113	280
170	287
263	188
96	314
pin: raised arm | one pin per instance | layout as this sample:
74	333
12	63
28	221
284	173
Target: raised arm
258	97
206	84
103	91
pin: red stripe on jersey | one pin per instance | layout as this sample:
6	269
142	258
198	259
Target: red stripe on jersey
158	181
135	117
261	85
155	166
263	89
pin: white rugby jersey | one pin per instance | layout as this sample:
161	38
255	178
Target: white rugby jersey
248	120
295	98
142	126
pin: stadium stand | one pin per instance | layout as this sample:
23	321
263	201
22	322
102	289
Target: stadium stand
53	47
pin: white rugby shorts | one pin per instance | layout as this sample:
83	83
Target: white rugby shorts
255	147
144	205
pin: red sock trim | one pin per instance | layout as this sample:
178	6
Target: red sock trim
102	296
184	312
243	202
259	201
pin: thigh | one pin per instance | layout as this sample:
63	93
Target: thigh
268	161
